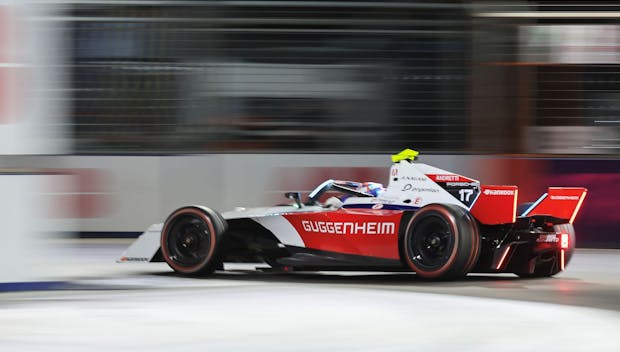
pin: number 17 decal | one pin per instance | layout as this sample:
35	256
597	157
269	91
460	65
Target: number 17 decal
465	194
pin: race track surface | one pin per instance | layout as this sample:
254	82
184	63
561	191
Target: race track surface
103	306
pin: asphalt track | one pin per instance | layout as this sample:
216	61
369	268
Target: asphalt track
101	306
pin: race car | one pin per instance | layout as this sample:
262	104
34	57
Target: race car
436	223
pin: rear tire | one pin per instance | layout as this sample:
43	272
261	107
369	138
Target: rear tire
441	242
189	240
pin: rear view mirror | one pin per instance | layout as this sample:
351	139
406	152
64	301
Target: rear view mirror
296	196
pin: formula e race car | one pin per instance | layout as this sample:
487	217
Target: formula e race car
433	222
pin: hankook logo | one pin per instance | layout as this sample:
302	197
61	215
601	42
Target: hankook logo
499	192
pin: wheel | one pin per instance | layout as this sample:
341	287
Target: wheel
441	242
189	239
551	266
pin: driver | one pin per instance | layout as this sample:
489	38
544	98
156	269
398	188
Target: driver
372	188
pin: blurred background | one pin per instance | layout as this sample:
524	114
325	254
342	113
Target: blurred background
319	76
113	113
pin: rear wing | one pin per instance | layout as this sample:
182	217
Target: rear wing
559	202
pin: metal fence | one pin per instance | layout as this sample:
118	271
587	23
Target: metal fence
196	76
554	67
344	76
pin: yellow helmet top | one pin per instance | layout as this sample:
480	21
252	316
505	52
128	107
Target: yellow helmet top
406	154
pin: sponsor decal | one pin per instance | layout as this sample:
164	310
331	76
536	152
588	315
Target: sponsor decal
394	171
499	192
547	239
564	198
447	178
460	184
134	259
382	200
410	187
414	178
349	228
417	201
377	206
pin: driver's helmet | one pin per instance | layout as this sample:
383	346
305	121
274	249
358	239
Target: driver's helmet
373	188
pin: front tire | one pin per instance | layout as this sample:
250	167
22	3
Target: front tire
441	242
189	240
